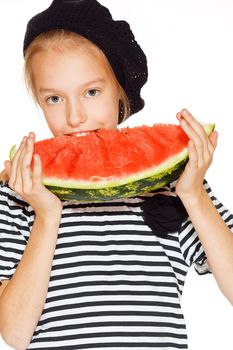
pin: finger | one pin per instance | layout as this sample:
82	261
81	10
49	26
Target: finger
32	135
7	165
179	116
25	166
4	176
192	134
198	127
14	163
16	179
37	171
19	179
193	157
212	144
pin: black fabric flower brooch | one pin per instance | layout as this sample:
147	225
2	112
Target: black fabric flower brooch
163	213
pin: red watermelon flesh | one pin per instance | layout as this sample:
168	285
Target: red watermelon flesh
107	154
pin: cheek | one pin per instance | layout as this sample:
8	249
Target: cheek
107	116
108	110
55	122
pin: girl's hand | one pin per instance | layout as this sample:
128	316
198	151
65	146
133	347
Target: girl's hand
201	149
4	176
5	173
28	184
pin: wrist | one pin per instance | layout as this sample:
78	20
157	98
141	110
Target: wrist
193	198
53	213
49	218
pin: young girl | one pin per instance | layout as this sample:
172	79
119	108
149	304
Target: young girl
101	275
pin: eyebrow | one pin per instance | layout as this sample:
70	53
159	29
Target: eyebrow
98	80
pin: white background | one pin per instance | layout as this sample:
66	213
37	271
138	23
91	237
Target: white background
188	44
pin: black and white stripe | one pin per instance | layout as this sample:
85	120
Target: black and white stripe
114	284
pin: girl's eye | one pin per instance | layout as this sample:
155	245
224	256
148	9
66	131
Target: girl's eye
53	100
92	92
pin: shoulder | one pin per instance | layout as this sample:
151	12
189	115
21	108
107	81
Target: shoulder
3	176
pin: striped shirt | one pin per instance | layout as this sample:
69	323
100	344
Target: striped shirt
114	284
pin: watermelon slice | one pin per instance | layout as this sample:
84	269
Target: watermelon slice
109	164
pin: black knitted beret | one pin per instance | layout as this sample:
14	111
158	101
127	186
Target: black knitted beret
115	38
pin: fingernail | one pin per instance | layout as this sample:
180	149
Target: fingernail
179	116
185	112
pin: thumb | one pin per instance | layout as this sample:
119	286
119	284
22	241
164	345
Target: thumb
213	138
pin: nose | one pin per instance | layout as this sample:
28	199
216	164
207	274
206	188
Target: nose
75	114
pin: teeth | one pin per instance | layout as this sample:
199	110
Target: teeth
84	133
81	134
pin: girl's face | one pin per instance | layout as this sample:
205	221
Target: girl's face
75	91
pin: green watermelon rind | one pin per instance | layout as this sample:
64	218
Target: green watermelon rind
12	151
130	189
129	186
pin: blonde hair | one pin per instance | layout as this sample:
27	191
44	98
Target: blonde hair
61	40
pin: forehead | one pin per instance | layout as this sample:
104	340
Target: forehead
82	63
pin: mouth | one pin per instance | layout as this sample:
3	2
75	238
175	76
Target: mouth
81	133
